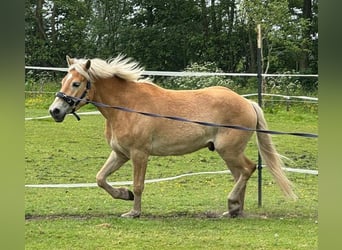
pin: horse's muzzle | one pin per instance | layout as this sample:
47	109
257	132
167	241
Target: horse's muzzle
57	114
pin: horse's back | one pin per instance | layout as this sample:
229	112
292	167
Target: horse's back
215	104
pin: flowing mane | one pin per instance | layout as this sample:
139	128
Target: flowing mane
120	66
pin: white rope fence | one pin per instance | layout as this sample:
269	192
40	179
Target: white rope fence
184	74
176	73
122	183
198	74
308	98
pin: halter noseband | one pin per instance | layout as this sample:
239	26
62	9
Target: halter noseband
74	101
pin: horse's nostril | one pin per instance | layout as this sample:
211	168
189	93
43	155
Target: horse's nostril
55	111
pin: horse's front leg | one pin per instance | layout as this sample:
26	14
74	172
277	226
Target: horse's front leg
139	160
113	163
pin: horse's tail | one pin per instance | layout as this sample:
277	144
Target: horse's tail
270	155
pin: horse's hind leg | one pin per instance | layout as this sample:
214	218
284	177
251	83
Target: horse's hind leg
113	163
242	168
139	160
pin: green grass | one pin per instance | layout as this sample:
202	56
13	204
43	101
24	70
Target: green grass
171	233
179	214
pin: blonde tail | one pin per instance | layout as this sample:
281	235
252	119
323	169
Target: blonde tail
270	155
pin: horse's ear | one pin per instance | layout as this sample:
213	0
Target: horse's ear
87	65
70	61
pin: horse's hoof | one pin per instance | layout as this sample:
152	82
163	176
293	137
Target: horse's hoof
130	195
226	215
131	214
232	215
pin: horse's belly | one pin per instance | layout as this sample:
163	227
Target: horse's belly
175	149
179	146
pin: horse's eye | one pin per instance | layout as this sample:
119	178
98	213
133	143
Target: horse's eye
76	84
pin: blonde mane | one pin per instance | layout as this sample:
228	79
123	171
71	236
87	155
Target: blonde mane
119	66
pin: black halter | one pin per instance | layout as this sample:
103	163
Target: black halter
74	101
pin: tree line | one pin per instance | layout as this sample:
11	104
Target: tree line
171	35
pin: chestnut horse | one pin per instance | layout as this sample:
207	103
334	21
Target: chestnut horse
136	137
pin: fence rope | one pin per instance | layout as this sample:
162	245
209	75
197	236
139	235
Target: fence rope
287	97
203	123
122	183
186	73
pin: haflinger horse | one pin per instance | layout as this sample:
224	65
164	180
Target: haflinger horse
132	136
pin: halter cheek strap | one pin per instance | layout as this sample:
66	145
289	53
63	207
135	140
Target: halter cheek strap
73	101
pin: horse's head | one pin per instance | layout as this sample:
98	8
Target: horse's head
74	91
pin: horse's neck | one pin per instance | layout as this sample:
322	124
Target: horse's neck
112	92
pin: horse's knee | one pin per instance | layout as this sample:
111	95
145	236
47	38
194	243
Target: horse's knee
101	182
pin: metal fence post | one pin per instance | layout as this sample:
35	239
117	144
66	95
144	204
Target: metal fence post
259	76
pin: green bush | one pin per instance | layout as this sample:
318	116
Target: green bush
196	82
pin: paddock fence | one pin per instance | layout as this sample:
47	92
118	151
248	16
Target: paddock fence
283	98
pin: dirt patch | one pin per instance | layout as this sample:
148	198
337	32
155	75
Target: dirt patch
175	215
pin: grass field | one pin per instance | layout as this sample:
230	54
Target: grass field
178	214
